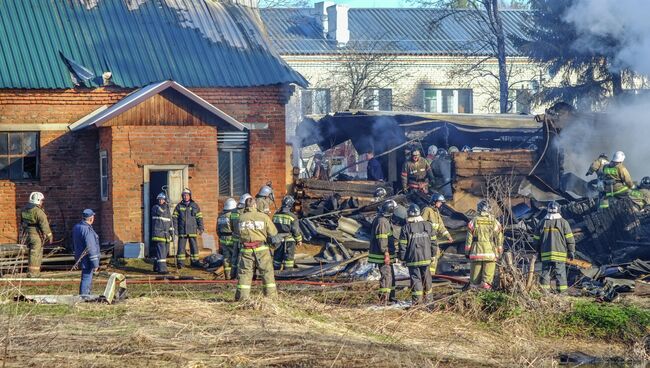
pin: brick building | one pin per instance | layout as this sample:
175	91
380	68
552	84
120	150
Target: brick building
103	103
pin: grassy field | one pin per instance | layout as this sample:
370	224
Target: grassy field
200	326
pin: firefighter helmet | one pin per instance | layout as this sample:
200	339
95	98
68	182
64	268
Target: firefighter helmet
645	182
437	197
553	207
288	201
413	211
619	156
265	191
432	150
483	206
162	196
453	149
36	198
230	204
388	208
243	198
186	191
380	192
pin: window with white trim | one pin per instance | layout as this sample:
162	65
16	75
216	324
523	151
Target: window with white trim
315	101
522	101
451	101
378	99
103	174
233	163
19	155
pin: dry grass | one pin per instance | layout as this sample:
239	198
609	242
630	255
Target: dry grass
201	327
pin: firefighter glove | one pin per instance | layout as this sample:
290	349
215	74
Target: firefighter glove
572	256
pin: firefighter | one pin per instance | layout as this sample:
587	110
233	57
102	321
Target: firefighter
35	231
86	250
416	247
554	243
432	214
431	153
288	226
264	199
441	169
189	225
483	246
162	233
416	174
382	250
616	178
641	195
598	165
227	241
255	231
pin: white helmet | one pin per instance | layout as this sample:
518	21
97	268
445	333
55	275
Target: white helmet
36	198
243	198
432	150
230	204
619	156
265	191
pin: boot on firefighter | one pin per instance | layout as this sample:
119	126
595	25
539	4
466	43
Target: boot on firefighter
416	174
35	231
286	222
189	225
382	250
616	180
162	233
256	232
483	246
416	248
554	243
227	222
432	214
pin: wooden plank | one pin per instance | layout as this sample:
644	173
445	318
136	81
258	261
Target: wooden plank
482	173
342	186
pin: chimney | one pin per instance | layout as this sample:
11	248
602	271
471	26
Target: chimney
337	19
321	14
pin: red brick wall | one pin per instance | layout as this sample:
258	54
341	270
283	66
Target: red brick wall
70	161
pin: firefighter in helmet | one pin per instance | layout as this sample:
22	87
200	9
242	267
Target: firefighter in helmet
35	231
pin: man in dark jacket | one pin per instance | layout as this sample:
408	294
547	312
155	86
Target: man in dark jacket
554	242
189	225
288	226
86	250
374	171
162	233
382	250
416	244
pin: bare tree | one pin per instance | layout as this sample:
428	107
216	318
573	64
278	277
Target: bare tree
360	68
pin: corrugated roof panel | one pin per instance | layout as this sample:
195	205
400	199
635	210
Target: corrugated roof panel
409	31
199	43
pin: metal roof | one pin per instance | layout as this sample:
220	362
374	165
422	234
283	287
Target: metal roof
407	31
104	113
198	43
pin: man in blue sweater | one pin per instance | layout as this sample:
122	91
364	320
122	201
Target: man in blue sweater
86	250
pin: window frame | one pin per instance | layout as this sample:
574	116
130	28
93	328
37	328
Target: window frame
374	103
439	100
9	156
230	144
312	104
515	101
103	155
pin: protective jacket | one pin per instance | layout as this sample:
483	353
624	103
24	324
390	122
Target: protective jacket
84	238
416	242
33	219
189	219
432	215
641	197
553	238
484	240
227	224
416	175
161	223
286	222
264	204
617	179
381	240
255	227
597	167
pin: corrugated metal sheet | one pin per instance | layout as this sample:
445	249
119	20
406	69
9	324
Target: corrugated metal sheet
408	31
198	43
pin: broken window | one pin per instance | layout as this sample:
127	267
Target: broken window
233	163
448	101
19	155
103	173
315	101
378	99
522	101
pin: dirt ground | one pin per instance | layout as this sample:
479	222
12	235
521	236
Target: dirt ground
163	325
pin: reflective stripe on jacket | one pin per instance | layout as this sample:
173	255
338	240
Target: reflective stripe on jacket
287	222
161	223
484	238
381	240
554	238
189	219
617	179
255	226
416	242
416	173
432	215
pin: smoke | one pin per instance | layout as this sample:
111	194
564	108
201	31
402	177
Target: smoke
614	26
619	30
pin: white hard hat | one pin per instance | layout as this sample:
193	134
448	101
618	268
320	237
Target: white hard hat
619	156
36	198
265	191
243	198
230	204
432	150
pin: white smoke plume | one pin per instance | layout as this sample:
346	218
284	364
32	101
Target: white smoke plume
625	124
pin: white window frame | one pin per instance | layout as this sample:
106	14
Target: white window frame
317	105
103	188
374	103
439	92
515	104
